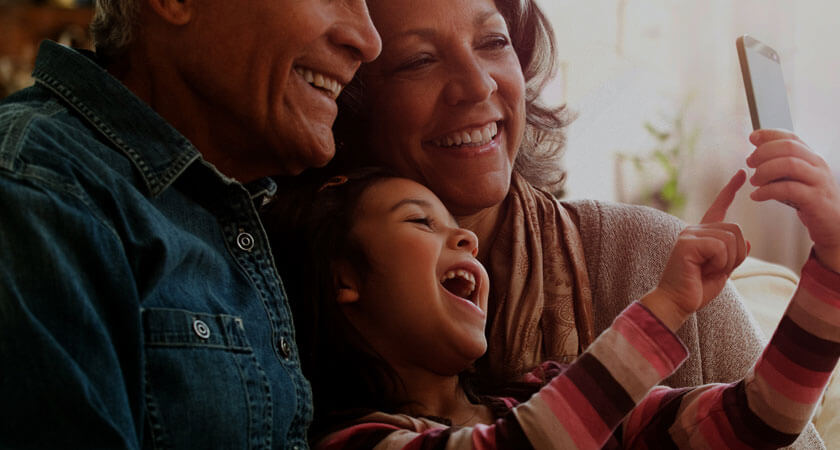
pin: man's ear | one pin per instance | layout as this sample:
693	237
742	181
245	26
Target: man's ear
176	12
347	282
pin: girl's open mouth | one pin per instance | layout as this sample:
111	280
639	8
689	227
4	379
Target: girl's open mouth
461	283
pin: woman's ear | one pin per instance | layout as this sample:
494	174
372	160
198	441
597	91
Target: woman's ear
346	281
176	12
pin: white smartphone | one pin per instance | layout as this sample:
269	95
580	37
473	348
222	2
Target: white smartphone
764	83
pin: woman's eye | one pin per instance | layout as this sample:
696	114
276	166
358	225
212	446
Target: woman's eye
416	63
495	42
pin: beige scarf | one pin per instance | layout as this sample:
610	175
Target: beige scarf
540	300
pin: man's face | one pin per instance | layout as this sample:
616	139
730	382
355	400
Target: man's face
271	69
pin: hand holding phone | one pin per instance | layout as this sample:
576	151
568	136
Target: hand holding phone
764	84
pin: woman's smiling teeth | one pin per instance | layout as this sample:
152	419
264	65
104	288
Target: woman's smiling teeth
321	81
459	282
472	137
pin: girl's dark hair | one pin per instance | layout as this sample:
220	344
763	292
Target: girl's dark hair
309	227
540	156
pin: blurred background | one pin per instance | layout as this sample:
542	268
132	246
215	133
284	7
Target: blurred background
662	113
23	24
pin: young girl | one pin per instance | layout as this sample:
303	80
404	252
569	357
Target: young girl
395	311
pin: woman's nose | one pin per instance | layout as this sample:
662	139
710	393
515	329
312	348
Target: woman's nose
357	33
463	239
470	82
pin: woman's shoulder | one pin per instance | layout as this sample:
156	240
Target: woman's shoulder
616	236
623	220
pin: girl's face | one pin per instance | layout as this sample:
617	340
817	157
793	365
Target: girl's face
446	98
422	304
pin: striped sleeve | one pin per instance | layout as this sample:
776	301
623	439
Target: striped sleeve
580	408
774	402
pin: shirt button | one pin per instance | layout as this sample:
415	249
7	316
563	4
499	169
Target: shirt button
245	241
201	329
285	348
267	199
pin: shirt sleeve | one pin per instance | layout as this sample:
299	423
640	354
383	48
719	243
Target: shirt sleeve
579	408
68	377
774	402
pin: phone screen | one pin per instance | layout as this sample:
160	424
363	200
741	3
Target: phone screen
764	84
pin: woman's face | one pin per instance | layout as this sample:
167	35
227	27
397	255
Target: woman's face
446	98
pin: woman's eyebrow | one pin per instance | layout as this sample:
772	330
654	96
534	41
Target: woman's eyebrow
485	16
429	33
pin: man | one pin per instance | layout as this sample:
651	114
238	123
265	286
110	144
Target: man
139	303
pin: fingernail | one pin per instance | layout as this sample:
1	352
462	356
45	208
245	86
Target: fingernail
748	247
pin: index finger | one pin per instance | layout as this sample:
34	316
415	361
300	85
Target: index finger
717	212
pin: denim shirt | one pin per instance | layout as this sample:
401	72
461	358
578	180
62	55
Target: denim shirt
140	306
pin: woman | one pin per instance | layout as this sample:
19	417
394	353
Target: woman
452	103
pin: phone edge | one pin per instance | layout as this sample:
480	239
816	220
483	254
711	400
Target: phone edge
745	74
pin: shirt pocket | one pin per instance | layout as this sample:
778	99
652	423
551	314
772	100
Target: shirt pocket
203	385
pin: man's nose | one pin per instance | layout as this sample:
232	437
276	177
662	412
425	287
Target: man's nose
357	33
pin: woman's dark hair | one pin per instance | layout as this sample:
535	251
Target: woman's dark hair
539	158
309	226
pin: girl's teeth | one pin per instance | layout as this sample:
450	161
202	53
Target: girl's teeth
463	274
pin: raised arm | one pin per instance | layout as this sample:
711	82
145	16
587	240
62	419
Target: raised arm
774	402
580	408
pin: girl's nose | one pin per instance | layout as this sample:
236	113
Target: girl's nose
463	239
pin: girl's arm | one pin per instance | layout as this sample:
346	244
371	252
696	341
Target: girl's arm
773	404
580	408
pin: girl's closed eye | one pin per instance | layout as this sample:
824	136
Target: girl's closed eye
425	220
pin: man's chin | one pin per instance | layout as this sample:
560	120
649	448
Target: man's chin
314	157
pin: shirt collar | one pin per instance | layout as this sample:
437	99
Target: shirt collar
262	191
158	151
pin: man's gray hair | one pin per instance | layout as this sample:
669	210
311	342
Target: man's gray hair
113	26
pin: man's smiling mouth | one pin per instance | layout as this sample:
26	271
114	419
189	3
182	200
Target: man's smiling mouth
330	86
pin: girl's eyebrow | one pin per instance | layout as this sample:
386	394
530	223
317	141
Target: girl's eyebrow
410	201
419	202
